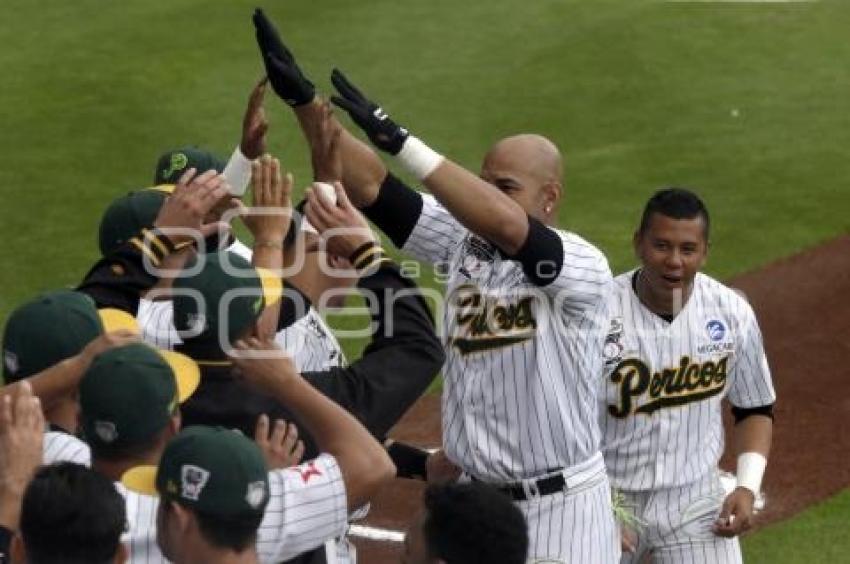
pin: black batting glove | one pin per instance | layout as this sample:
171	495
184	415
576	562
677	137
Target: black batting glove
287	80
384	133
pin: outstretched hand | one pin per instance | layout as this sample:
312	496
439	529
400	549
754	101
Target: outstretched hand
372	119
286	78
181	217
343	228
254	124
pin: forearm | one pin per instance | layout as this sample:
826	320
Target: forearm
364	462
54	383
11	495
363	169
754	434
479	206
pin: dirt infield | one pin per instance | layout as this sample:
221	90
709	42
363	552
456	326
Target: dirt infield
803	306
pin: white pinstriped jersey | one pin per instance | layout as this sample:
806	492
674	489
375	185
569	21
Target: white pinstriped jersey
523	363
661	409
156	317
62	447
309	341
307	506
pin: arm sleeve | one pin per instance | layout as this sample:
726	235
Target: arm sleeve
5	543
307	506
565	266
750	383
414	222
398	364
62	447
118	279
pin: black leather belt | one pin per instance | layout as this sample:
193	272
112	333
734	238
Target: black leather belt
543	486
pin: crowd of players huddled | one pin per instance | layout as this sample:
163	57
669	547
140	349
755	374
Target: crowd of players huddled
187	403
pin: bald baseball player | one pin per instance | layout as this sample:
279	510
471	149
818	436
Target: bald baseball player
525	317
679	343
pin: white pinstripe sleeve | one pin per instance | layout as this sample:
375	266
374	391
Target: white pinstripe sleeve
307	507
585	277
62	447
436	233
750	383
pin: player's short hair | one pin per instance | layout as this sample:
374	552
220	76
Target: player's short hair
71	515
117	453
226	533
473	523
676	203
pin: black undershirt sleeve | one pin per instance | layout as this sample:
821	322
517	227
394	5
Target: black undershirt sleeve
741	413
541	255
396	210
5	542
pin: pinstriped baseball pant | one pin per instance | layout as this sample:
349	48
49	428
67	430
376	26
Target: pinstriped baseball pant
575	527
678	523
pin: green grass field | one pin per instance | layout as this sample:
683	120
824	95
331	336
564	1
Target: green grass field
747	103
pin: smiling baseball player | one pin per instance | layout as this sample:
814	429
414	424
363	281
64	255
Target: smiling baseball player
679	343
525	315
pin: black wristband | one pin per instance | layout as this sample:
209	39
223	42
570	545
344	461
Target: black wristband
410	461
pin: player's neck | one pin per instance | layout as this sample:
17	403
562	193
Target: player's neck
662	303
114	469
203	553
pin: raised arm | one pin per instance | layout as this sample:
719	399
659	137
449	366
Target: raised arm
363	170
364	463
476	204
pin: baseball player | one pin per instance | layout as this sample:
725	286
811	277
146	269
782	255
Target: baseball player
129	413
679	343
522	318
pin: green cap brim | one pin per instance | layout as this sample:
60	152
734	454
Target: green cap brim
141	479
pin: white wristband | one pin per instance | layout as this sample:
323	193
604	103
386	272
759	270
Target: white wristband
751	467
238	172
418	158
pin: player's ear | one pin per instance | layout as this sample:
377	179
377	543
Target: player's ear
636	245
551	191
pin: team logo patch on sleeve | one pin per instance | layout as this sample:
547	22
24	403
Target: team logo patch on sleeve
193	479
716	330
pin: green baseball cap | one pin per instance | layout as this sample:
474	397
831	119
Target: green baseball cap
129	393
172	164
242	298
212	470
128	214
52	327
